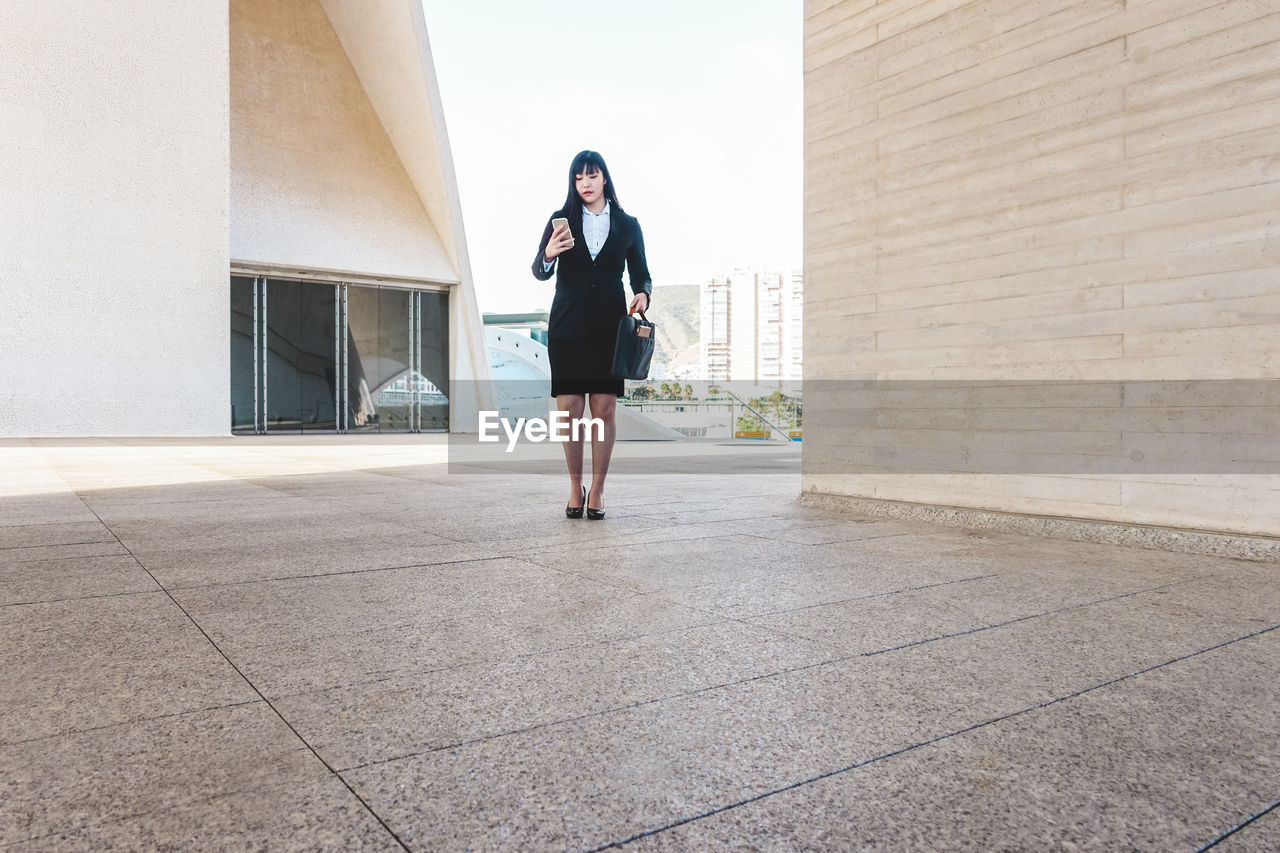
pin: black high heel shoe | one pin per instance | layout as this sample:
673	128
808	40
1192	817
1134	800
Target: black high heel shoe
593	514
576	511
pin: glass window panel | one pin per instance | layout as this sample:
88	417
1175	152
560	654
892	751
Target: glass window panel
284	334
362	358
392	394
300	332
242	354
434	361
315	365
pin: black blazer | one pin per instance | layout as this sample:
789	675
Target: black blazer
589	295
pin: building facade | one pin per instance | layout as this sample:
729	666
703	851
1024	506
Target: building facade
713	329
751	326
1072	198
230	216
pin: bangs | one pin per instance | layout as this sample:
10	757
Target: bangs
587	163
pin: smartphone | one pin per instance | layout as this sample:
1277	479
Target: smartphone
558	223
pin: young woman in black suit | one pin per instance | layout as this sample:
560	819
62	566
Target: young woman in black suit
587	259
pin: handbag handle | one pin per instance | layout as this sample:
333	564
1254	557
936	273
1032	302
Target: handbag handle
635	310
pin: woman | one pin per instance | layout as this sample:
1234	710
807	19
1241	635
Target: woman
587	258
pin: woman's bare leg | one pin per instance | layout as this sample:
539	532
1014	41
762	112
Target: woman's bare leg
604	407
574	404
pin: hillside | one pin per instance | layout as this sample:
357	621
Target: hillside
675	312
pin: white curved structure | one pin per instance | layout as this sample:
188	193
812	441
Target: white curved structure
155	149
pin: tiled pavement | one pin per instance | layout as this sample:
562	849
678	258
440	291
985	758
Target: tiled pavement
336	643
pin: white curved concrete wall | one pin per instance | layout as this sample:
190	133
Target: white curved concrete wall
315	182
151	147
113	251
340	158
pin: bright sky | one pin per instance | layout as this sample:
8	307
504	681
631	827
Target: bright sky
696	106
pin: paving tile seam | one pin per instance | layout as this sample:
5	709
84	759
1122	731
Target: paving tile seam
132	721
738	682
119	821
873	595
912	747
596	545
402	626
82	597
824	544
56	544
665	521
507	659
183	588
112	504
51	559
487	617
40	524
980	628
522	558
1230	832
567	720
812	644
622	586
1019	619
264	699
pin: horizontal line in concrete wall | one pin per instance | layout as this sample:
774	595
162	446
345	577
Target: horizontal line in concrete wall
981	37
901	232
1211	127
963	74
1033	114
1196	168
1176	271
986	140
1158	221
1207	61
914	124
1213	231
1198	20
897	66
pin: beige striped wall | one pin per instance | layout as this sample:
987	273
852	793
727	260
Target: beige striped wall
1043	189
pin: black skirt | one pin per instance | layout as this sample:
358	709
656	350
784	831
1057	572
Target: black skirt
584	365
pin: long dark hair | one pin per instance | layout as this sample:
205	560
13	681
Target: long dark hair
587	163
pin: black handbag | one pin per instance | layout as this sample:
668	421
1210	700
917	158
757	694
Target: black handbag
634	349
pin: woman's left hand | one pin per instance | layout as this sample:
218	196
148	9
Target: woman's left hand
639	302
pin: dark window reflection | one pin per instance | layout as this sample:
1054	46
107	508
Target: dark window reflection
316	368
362	358
300	365
434	361
392	393
242	354
301	372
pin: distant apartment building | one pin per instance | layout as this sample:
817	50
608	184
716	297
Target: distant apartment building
793	329
713	328
751	326
780	325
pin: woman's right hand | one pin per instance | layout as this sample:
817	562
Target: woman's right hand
561	241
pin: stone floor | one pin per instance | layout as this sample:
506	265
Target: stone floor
344	643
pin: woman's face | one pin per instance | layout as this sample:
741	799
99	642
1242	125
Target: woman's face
590	186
